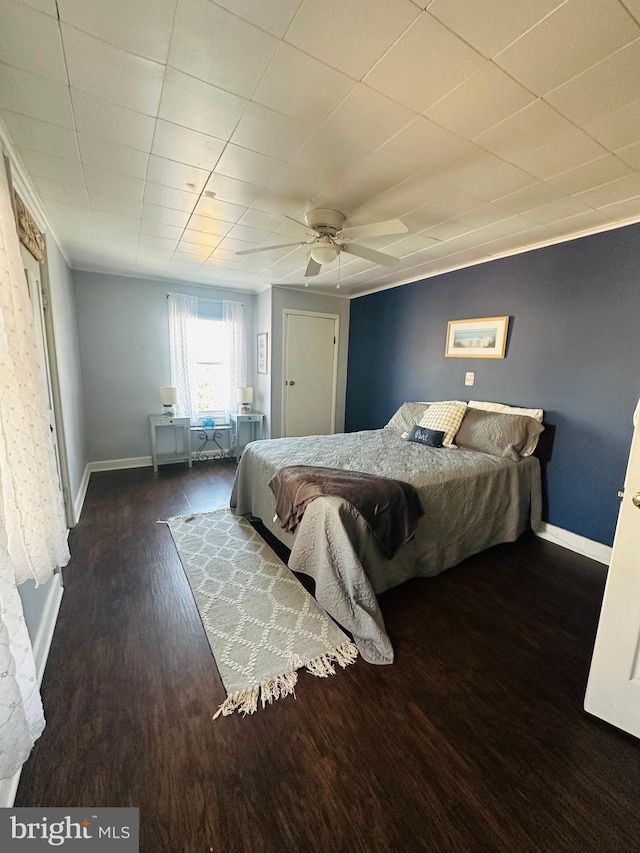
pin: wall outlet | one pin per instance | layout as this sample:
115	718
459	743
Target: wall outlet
469	378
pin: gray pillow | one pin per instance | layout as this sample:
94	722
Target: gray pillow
407	415
497	433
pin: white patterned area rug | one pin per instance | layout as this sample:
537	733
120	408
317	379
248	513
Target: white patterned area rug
261	623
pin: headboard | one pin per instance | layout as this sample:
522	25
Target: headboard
545	443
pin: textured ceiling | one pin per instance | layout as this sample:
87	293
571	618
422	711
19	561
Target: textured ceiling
163	136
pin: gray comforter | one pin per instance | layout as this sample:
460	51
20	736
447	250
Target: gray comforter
471	501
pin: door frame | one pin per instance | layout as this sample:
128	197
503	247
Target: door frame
334	376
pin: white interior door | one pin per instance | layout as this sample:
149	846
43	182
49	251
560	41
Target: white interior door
310	373
613	689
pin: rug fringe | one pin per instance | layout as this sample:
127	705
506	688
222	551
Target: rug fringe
246	701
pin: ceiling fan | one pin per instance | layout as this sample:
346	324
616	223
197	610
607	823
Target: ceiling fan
329	238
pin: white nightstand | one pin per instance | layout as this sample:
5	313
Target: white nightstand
180	427
249	423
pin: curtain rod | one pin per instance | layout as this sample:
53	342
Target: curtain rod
213	300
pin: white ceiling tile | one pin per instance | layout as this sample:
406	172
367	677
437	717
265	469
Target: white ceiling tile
115	223
575	36
248	166
574	225
27	132
169	197
115	204
482	174
630	155
301	87
160	229
186	146
114	75
531	197
206	44
46	6
191	254
297	183
257	219
101	119
590	175
181	269
203	238
556	211
274	16
623	210
410	245
64	193
157	213
493	24
23	26
157	242
140	28
250	235
216	209
376	174
418	145
605	87
367	119
403	70
69	216
110	183
104	154
560	154
199	106
55	168
208	226
330	154
483	100
230	189
268	132
179	176
314	31
467	222
530	128
451	204
634	7
618	128
616	191
35	96
123	244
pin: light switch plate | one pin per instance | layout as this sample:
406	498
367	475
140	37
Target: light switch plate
469	378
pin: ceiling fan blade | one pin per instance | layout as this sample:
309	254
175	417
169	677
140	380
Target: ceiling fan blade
369	254
313	268
298	222
268	248
376	229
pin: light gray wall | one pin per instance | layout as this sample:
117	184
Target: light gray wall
123	333
262	381
286	298
65	331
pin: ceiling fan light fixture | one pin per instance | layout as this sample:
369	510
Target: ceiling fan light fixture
323	251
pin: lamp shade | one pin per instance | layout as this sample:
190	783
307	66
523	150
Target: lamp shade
323	251
168	395
245	395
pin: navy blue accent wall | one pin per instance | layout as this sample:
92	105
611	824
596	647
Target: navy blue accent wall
572	350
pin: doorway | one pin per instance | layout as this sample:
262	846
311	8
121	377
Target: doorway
310	373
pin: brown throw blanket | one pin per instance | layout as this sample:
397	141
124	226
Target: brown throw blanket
390	508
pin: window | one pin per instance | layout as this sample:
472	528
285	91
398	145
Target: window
211	347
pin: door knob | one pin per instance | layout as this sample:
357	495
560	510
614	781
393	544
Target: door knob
635	500
291	382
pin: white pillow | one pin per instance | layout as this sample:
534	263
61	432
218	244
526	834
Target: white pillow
446	416
536	414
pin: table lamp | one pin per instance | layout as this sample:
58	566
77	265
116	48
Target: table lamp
168	398
245	399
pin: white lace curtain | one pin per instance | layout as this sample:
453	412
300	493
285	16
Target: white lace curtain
33	533
183	314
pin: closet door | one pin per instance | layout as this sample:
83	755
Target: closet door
310	373
613	690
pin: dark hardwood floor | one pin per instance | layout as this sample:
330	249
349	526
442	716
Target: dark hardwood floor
475	739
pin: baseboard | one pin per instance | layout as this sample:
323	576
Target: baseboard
41	646
42	642
580	544
82	493
119	464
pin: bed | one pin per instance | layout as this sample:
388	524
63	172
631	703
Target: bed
472	500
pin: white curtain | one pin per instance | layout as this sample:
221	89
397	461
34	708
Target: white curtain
233	317
183	314
33	533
